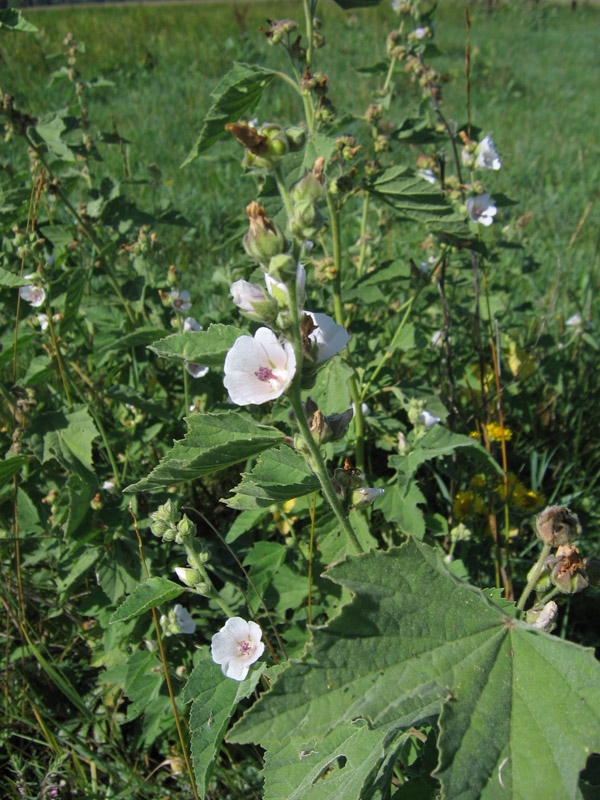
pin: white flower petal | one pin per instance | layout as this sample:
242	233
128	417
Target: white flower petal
429	420
34	295
259	368
185	623
487	156
480	208
236	646
329	337
196	370
190	324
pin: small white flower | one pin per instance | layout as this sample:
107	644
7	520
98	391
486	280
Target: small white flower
259	368
43	321
181	300
329	337
190	324
34	295
481	209
196	370
436	338
246	294
487	156
420	33
108	486
573	321
236	646
363	407
427	175
427	419
184	621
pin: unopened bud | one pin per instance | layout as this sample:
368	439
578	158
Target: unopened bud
296	136
543	582
557	525
542	617
190	577
460	533
365	496
186	530
265	238
306	221
310	187
253	301
164	520
283	268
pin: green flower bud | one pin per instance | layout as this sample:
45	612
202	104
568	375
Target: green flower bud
311	186
265	238
296	136
189	577
186	530
306	221
204	556
557	525
543	582
283	267
365	496
460	533
204	588
164	520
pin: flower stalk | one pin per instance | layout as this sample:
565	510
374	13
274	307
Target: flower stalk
533	578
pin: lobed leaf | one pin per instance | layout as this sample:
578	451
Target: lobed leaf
199	347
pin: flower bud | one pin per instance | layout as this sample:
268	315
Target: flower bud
557	525
164	520
568	573
282	268
306	220
460	533
252	301
365	496
542	617
204	588
543	582
186	530
265	238
310	187
204	556
190	577
273	147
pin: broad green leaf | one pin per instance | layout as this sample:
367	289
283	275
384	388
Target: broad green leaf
64	435
235	94
400	504
29	519
415	198
145	686
11	280
200	347
9	467
145	596
119	569
524	708
13	20
244	522
213	442
331	392
215	700
264	560
51	128
279	475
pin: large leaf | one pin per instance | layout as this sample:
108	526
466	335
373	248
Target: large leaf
145	596
11	280
64	435
200	347
12	20
279	475
215	699
525	706
213	442
235	94
414	198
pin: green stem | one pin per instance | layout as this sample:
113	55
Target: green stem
390	348
548	596
537	571
196	562
388	77
186	391
308	19
282	188
359	422
363	235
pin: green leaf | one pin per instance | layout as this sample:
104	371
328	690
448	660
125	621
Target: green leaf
200	347
215	699
13	20
279	475
346	4
64	435
331	391
11	280
145	596
265	559
235	94
413	632
141	336
50	128
400	504
9	467
415	198
213	442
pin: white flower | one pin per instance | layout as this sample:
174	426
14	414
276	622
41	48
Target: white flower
246	294
481	209
190	324
427	175
236	646
487	156
259	368
183	619
34	295
436	338
573	321
363	407
420	33
181	300
329	337
43	321
108	486
196	370
427	419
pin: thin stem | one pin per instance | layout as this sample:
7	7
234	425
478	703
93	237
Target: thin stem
390	72
535	574
310	555
188	763
390	348
363	234
308	19
318	467
58	356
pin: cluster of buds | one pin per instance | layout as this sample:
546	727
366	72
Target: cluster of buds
265	147
143	245
167	524
307	194
26	244
194	579
278	29
350	485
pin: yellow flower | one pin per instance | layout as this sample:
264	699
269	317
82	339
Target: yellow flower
495	432
465	501
527	499
475	435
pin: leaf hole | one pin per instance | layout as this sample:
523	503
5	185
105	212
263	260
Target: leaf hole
339	762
